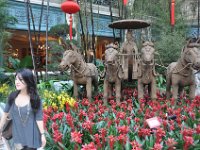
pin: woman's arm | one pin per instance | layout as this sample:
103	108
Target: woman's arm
2	122
40	125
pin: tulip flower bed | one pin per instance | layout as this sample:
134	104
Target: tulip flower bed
85	125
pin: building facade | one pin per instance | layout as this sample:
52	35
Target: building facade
20	46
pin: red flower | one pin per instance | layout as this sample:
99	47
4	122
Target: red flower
135	145
58	116
187	132
81	114
121	115
85	102
69	120
159	134
55	126
188	141
89	146
97	140
76	137
128	120
111	141
45	119
198	129
137	120
122	139
48	111
103	135
144	132
129	101
123	129
109	123
67	107
157	146
165	123
57	136
170	142
88	125
91	116
192	115
75	105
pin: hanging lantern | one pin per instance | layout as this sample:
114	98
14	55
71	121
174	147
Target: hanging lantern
125	2
70	7
172	21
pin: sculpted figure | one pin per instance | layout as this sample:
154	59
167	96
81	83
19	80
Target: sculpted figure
146	71
180	73
129	52
113	73
82	73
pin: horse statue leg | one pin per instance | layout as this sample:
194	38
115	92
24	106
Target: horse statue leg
118	90
75	89
168	86
95	82
192	91
105	93
89	88
153	89
175	91
140	89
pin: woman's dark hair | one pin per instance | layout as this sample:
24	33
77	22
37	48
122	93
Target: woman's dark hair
29	78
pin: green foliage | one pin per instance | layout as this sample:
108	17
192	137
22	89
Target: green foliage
61	30
169	46
167	42
26	62
50	85
5	19
161	82
4	78
56	52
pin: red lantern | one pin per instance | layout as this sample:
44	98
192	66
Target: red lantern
172	12
70	7
125	2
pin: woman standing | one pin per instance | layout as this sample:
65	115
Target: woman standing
25	108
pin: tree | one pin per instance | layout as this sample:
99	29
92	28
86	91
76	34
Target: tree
4	35
167	42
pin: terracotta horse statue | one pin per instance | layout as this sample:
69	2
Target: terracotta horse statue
146	71
82	73
113	73
181	73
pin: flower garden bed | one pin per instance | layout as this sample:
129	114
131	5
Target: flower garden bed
85	125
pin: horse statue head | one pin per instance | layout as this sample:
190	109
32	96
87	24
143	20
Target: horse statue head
190	55
70	57
147	53
111	55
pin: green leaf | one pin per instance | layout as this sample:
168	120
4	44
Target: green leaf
151	141
127	146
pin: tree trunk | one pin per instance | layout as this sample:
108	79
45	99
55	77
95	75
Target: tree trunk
111	17
86	23
29	35
83	34
93	35
47	26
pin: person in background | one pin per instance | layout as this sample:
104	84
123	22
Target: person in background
25	108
